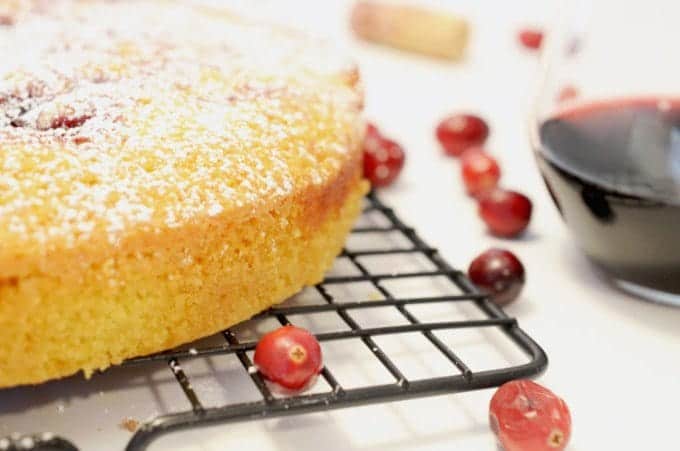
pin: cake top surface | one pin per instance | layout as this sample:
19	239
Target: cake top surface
153	113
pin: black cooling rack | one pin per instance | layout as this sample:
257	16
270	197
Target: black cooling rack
271	406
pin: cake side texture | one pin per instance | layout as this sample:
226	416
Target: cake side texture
165	173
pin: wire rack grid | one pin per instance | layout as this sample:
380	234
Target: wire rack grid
270	405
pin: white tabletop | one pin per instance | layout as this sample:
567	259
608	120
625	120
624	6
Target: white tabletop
613	358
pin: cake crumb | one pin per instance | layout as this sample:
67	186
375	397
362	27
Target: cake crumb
375	296
129	424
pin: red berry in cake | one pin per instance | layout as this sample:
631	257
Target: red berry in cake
526	416
290	357
531	38
383	158
498	273
506	213
69	122
81	140
480	171
62	116
459	132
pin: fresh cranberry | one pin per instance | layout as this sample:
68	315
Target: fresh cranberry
528	417
383	158
290	357
531	38
480	171
506	213
498	273
459	132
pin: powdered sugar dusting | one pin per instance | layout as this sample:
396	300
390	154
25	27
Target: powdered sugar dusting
155	114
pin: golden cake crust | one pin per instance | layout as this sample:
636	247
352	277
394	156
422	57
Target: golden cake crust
158	184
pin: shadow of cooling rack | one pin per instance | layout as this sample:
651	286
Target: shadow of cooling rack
379	241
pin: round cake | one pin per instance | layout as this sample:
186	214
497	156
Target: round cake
166	171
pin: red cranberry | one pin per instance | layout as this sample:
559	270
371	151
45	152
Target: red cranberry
531	38
290	357
480	171
498	273
383	158
506	213
528	417
459	132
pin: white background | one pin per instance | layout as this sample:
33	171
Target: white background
613	358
